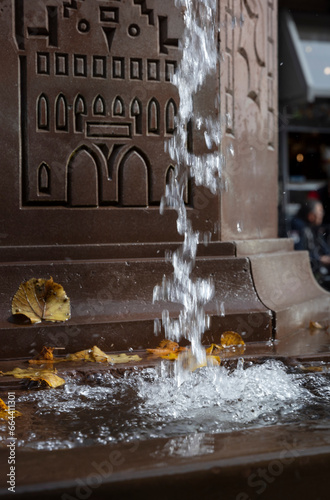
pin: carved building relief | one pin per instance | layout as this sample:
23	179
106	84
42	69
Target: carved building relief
248	104
96	106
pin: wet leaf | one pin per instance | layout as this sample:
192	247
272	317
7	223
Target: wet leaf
315	325
171	356
46	356
189	362
41	299
123	358
166	349
37	374
96	355
230	339
312	368
5	412
214	348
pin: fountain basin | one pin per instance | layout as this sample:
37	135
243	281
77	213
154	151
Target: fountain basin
290	458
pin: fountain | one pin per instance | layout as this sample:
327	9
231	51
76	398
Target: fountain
94	91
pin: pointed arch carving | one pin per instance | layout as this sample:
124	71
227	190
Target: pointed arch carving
44	178
80	110
43	112
99	107
133	179
61	113
118	106
170	114
83	178
170	173
153	117
136	113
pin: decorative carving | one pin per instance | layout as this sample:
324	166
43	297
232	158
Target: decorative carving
270	74
133	179
136	69
136	113
164	40
99	66
251	49
44	178
83	179
99	106
51	32
80	65
43	67
118	107
170	113
61	64
102	87
43	112
80	110
118	67
228	61
153	116
153	72
145	10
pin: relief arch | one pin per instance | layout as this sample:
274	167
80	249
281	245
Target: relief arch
83	184
133	179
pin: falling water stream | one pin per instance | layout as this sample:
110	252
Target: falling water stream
199	60
161	401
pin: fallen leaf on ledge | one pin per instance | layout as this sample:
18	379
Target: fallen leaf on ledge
6	413
315	325
166	349
171	355
214	348
96	355
231	339
189	361
41	299
47	376
312	368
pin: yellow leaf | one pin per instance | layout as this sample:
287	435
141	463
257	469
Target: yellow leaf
315	325
171	356
38	375
230	339
214	348
312	368
214	360
166	348
6	413
123	358
96	355
40	299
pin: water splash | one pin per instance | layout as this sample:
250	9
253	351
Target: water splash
199	60
147	403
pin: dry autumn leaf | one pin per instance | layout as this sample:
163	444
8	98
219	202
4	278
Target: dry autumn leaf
96	355
41	299
7	413
38	375
231	339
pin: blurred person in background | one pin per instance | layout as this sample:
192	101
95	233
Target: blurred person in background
309	234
